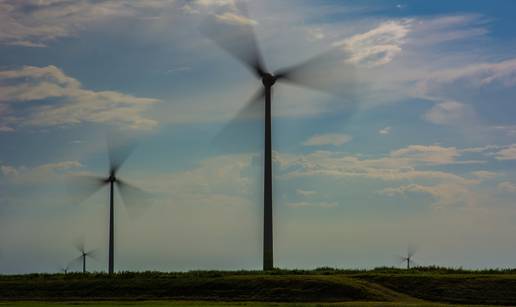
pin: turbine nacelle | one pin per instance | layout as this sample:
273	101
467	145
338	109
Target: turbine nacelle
111	178
268	80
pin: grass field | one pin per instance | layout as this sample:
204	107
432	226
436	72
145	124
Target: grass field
327	287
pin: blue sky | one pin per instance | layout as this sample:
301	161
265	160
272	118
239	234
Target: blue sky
423	152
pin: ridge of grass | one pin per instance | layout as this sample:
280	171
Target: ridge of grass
321	285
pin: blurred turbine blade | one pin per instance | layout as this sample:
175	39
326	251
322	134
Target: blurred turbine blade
119	150
329	72
76	262
237	129
81	187
401	259
93	254
79	244
411	251
135	199
234	33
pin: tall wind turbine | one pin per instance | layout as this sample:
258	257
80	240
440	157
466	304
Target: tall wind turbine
240	42
131	195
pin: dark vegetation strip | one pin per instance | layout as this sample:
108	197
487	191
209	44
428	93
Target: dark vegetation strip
495	289
321	285
240	287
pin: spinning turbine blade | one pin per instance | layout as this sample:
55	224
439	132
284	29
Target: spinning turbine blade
327	72
81	187
75	261
411	251
237	39
118	153
93	254
79	245
135	199
401	259
252	110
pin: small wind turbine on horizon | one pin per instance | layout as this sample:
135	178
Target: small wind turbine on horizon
240	42
132	196
84	254
408	259
64	269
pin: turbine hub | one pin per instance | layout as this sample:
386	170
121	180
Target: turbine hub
112	177
268	80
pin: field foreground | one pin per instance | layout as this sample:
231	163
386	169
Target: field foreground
246	288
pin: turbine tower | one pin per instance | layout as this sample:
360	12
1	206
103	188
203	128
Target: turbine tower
240	42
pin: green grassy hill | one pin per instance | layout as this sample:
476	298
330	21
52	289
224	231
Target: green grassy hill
324	285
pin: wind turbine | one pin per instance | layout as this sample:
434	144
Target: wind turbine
84	254
64	269
408	258
239	41
132	196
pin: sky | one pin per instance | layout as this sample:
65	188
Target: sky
418	149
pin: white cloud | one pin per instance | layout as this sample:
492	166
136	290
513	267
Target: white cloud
432	154
233	18
230	3
446	29
315	33
305	193
386	130
401	164
480	148
335	139
477	74
378	46
507	153
507	186
450	113
221	180
45	173
444	194
224	11
326	205
484	174
35	23
69	103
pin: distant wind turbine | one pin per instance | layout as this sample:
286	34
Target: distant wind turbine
132	196
408	259
240	42
64	269
82	258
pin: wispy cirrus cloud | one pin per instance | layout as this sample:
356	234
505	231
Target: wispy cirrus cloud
508	153
419	165
224	11
443	194
61	100
44	173
507	186
450	113
385	130
35	23
378	46
335	139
